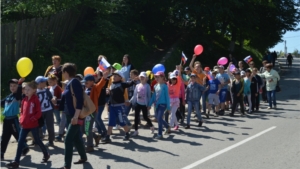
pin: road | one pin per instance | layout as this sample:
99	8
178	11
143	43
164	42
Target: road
263	140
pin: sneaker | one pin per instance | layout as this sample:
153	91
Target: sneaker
13	164
97	140
152	129
46	158
49	144
269	108
89	149
167	131
135	133
159	137
200	123
25	151
58	139
106	140
187	127
126	137
176	127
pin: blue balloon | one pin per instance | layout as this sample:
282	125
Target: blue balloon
158	67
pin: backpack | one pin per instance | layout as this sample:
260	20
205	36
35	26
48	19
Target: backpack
88	105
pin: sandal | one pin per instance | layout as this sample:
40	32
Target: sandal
81	161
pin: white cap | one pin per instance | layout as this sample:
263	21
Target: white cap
172	75
117	72
143	74
243	73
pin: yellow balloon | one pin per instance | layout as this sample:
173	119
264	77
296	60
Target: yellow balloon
24	66
149	74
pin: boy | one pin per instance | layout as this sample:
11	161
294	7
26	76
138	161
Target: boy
214	87
133	77
11	125
194	92
237	90
93	90
225	80
47	107
116	104
56	91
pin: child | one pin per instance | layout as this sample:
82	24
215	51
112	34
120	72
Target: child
117	105
214	87
11	125
193	95
56	91
140	99
161	99
174	85
47	107
237	90
93	90
247	90
29	117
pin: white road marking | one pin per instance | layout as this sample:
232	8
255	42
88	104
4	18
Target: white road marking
227	149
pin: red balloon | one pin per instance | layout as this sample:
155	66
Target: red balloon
198	49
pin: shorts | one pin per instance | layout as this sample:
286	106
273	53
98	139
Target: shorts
228	96
222	95
116	112
213	99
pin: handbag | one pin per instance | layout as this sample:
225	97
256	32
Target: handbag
88	105
278	89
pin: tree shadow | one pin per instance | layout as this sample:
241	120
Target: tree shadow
206	129
222	123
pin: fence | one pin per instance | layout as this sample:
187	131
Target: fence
19	39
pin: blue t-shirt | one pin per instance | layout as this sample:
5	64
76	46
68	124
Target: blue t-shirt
223	78
213	86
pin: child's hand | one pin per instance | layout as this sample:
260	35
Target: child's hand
22	79
105	74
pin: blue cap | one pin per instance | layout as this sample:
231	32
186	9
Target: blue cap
88	77
41	79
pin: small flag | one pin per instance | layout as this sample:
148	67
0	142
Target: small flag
248	59
103	64
183	58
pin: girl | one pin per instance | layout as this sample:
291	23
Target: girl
247	89
29	121
162	102
174	91
140	98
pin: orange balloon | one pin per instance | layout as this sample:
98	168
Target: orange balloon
88	70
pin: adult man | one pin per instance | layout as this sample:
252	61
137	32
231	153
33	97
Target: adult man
225	80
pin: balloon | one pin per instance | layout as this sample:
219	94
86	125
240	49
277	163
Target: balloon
149	74
24	66
222	61
117	66
198	49
158	67
231	67
88	70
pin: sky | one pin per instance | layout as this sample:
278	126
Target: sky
292	42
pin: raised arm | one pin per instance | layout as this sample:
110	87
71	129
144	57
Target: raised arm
192	62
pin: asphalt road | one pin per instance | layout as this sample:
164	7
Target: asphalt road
262	140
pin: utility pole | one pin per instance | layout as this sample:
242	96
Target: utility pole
285	48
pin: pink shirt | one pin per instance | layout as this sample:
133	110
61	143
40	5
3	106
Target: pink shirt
141	94
174	90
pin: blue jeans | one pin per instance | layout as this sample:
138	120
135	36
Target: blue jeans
160	109
57	116
271	97
190	106
99	122
204	97
22	138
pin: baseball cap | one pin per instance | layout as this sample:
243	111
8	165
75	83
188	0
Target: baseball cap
41	79
88	77
206	69
143	74
193	74
159	73
173	75
187	69
79	76
248	70
243	73
221	66
118	72
16	81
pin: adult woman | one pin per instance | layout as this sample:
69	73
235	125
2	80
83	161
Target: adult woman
55	69
73	136
272	78
126	67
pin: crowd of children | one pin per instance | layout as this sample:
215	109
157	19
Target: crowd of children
41	100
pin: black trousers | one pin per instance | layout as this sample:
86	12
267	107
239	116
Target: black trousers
255	101
137	111
10	127
237	100
181	113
